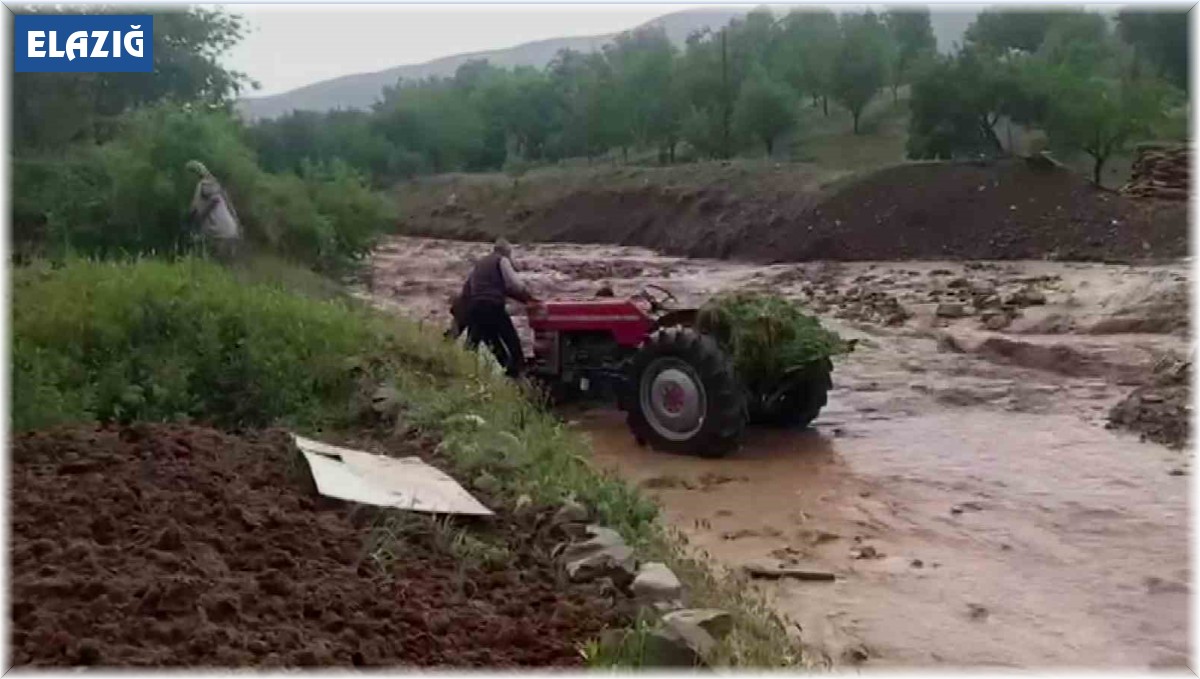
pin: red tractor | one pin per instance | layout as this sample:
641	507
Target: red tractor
678	387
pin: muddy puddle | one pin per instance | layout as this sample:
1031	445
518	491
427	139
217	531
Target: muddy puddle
961	485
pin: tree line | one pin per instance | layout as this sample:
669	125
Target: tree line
1091	83
725	90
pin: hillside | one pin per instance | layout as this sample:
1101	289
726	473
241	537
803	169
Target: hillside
360	90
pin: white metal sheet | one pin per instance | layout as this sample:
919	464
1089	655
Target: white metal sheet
404	483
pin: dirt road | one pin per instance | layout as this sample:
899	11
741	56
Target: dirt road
961	484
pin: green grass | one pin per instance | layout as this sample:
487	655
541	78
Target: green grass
157	341
829	142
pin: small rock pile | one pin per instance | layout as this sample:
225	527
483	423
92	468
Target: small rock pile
681	636
996	308
1159	411
1160	173
856	303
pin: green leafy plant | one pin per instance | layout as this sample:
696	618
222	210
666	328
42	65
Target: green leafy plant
766	334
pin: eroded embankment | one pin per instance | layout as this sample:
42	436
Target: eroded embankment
1002	211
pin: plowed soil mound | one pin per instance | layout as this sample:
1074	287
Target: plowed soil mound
174	545
1004	210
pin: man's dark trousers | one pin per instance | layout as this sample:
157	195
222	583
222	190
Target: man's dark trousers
489	322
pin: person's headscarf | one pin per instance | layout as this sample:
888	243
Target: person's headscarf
199	168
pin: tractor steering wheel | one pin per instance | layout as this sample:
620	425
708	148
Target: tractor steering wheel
656	303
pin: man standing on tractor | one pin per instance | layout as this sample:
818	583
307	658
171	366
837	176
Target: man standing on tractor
492	282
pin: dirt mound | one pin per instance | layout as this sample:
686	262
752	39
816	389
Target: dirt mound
1161	410
687	222
1006	210
1011	209
174	545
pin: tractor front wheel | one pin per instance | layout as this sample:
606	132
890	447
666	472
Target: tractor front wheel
683	396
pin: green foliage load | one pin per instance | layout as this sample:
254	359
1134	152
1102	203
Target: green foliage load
767	335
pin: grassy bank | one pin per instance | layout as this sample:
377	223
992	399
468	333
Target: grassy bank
156	341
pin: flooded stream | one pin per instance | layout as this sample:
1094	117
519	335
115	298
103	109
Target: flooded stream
970	501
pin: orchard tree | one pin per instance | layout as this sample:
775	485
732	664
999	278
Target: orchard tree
1081	41
643	67
912	35
957	101
432	118
862	65
765	109
1100	116
702	129
1160	39
52	109
807	52
709	89
997	31
590	119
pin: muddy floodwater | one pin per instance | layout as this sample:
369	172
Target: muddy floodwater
961	484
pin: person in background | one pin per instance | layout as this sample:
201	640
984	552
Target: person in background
212	214
491	283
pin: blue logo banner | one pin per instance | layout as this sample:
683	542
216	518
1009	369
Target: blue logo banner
95	43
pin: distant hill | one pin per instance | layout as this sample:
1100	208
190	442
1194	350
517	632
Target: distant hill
360	90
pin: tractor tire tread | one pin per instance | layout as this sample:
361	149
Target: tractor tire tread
726	418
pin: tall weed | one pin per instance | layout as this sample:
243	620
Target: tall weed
159	341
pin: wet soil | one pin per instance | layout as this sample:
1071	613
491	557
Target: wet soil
174	545
1007	210
967	495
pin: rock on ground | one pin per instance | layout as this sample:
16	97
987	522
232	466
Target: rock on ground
603	555
685	638
1161	410
657	584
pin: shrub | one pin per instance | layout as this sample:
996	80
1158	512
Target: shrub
132	193
157	341
341	194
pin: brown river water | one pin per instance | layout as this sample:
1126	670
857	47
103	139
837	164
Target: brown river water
974	508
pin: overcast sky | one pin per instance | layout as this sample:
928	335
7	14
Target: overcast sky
293	45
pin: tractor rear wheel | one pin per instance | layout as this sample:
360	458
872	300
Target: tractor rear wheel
683	396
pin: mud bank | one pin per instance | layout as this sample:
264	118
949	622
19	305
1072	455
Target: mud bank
1160	410
182	546
1001	211
971	503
